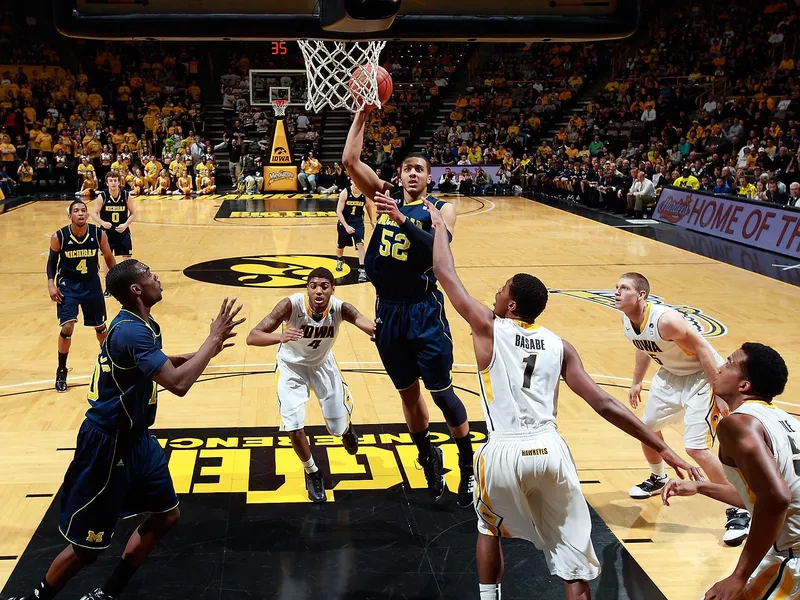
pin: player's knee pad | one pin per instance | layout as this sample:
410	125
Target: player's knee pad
87	556
65	335
101	329
451	406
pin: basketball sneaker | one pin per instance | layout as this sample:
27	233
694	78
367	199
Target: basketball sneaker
466	487
649	487
738	526
433	467
339	265
61	380
316	487
350	441
98	594
362	276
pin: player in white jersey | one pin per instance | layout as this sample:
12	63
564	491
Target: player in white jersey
680	390
305	360
759	445
526	483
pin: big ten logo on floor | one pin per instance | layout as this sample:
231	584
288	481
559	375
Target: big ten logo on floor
283	271
261	463
705	324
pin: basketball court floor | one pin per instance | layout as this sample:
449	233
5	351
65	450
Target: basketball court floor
247	529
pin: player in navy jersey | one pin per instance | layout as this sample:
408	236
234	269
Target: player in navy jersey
73	280
412	333
118	468
350	227
114	211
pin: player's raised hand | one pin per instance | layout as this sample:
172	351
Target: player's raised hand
222	327
680	465
386	205
291	335
55	293
634	395
675	487
436	216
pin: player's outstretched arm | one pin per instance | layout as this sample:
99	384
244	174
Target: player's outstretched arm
262	334
351	315
179	380
613	411
479	317
639	371
363	176
52	268
105	248
95	212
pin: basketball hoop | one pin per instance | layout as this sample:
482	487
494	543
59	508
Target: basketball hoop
279	106
330	67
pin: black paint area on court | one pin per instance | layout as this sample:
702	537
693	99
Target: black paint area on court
278	206
368	543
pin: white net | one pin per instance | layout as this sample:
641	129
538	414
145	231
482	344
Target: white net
341	74
279	106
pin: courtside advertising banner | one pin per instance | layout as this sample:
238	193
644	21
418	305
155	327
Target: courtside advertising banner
766	226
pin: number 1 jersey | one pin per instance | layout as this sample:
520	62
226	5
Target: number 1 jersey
318	335
520	386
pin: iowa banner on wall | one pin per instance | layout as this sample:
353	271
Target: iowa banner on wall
767	226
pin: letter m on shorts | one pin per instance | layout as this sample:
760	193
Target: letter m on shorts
96	538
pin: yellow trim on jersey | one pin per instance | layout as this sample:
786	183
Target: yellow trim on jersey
76	240
527	326
415	202
310	313
762	402
762	583
644	321
441	315
486	387
484	497
750	493
786	586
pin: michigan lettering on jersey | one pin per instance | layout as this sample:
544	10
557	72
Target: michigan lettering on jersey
325	331
115	207
356	203
80	253
646	346
528	343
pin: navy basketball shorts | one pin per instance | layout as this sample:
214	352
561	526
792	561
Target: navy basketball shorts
112	476
88	295
413	340
345	239
120	243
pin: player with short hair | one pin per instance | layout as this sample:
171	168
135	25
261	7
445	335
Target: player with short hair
350	226
759	446
526	483
114	210
412	333
73	280
119	469
680	390
305	360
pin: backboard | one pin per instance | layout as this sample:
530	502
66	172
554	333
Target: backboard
417	20
269	84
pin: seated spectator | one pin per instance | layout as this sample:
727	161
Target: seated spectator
310	168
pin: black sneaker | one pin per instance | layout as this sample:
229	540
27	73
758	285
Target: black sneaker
649	487
362	276
61	380
98	594
316	487
465	487
339	265
737	528
350	441
433	467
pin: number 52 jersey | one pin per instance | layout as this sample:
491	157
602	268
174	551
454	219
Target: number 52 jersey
318	335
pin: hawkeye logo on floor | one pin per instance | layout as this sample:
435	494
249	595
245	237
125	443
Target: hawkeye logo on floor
260	462
278	271
707	326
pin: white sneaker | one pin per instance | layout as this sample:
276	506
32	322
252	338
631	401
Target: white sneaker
649	487
737	528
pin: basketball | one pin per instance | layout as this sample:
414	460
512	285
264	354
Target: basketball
384	81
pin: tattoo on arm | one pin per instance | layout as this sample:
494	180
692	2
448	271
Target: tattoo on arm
279	314
349	312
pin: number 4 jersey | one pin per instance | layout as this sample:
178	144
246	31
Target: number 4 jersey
318	334
520	385
78	258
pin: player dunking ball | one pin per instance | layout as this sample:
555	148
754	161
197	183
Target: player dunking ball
758	445
681	389
526	483
114	210
412	333
73	280
305	360
350	228
119	469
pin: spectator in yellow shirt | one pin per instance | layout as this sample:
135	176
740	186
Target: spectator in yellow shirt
310	167
687	180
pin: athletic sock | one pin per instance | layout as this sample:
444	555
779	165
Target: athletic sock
43	591
464	445
309	465
62	360
489	591
119	578
658	470
422	439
